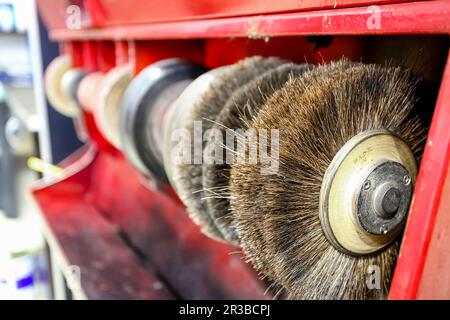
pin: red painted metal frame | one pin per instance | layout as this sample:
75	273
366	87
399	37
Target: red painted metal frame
102	191
101	13
427	198
421	257
121	12
435	279
88	240
424	17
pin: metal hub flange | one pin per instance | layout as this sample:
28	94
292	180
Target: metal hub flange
366	192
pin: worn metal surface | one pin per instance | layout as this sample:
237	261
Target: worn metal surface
126	237
108	268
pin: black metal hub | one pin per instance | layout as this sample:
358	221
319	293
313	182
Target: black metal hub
390	202
384	199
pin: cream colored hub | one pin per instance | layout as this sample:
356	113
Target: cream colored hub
55	94
350	198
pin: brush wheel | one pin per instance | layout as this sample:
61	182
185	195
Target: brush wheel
70	83
111	91
88	91
340	124
53	78
198	122
242	105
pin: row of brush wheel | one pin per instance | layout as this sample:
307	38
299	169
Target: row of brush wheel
309	169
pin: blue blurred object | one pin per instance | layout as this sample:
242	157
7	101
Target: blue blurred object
25	79
25	282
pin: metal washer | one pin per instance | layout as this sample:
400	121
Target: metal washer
384	198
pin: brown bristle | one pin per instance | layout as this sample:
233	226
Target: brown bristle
188	177
239	109
277	215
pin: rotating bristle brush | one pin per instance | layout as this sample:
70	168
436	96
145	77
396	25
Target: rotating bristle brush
143	107
188	177
349	146
237	112
174	131
179	109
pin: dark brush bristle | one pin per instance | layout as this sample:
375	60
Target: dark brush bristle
239	109
253	242
189	176
277	215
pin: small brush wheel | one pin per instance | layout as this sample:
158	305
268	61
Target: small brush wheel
88	90
174	121
53	79
174	127
366	192
111	91
69	84
198	122
143	107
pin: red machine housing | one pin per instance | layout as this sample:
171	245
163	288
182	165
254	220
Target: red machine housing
102	191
